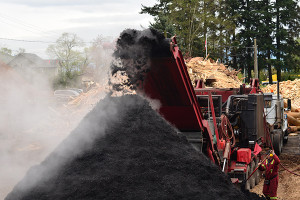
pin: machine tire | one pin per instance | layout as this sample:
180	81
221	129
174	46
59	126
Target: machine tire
286	133
281	142
285	140
252	178
257	173
247	184
277	143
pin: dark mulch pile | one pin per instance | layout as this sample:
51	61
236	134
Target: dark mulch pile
124	150
133	53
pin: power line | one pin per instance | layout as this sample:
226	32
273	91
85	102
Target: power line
36	41
27	25
19	40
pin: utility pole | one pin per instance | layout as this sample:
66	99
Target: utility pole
206	45
244	81
255	60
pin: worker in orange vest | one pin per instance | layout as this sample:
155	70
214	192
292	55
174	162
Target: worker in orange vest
271	166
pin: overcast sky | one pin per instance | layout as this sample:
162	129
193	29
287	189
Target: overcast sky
46	20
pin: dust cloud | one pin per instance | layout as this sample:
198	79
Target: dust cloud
28	123
33	123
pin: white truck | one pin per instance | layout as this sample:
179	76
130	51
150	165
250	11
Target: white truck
277	120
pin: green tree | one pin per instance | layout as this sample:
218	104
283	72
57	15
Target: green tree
177	17
247	25
230	27
264	35
296	57
69	52
6	51
287	13
191	21
162	21
232	8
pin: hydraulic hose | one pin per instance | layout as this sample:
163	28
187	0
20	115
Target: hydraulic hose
268	134
225	128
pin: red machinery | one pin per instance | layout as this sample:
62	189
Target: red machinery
201	115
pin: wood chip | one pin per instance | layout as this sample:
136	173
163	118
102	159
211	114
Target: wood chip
214	74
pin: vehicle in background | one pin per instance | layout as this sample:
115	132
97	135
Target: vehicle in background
77	90
274	80
65	95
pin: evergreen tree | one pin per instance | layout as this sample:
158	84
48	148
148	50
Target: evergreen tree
160	12
191	21
264	35
287	15
246	34
230	27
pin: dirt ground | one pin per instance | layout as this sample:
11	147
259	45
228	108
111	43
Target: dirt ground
289	184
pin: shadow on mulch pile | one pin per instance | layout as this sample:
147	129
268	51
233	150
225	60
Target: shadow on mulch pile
124	150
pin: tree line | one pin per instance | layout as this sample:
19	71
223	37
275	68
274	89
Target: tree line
230	27
75	59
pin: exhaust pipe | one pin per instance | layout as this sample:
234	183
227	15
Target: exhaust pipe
278	107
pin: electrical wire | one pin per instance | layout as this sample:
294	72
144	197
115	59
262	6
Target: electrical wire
37	41
27	25
30	28
19	40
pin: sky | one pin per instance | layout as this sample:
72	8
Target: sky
40	22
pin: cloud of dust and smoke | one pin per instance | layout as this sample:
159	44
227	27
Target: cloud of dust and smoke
40	126
32	123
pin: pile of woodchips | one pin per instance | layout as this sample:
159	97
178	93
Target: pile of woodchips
90	97
288	89
214	74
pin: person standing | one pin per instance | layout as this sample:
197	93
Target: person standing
270	166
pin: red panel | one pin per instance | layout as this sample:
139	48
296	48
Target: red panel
169	82
225	93
233	166
182	117
244	155
222	144
163	82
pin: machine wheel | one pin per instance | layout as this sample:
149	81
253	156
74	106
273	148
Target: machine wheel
286	134
277	143
247	185
252	178
285	140
257	173
281	139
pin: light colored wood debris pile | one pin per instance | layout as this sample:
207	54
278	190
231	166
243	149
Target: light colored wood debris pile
294	121
121	80
91	97
288	89
214	74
